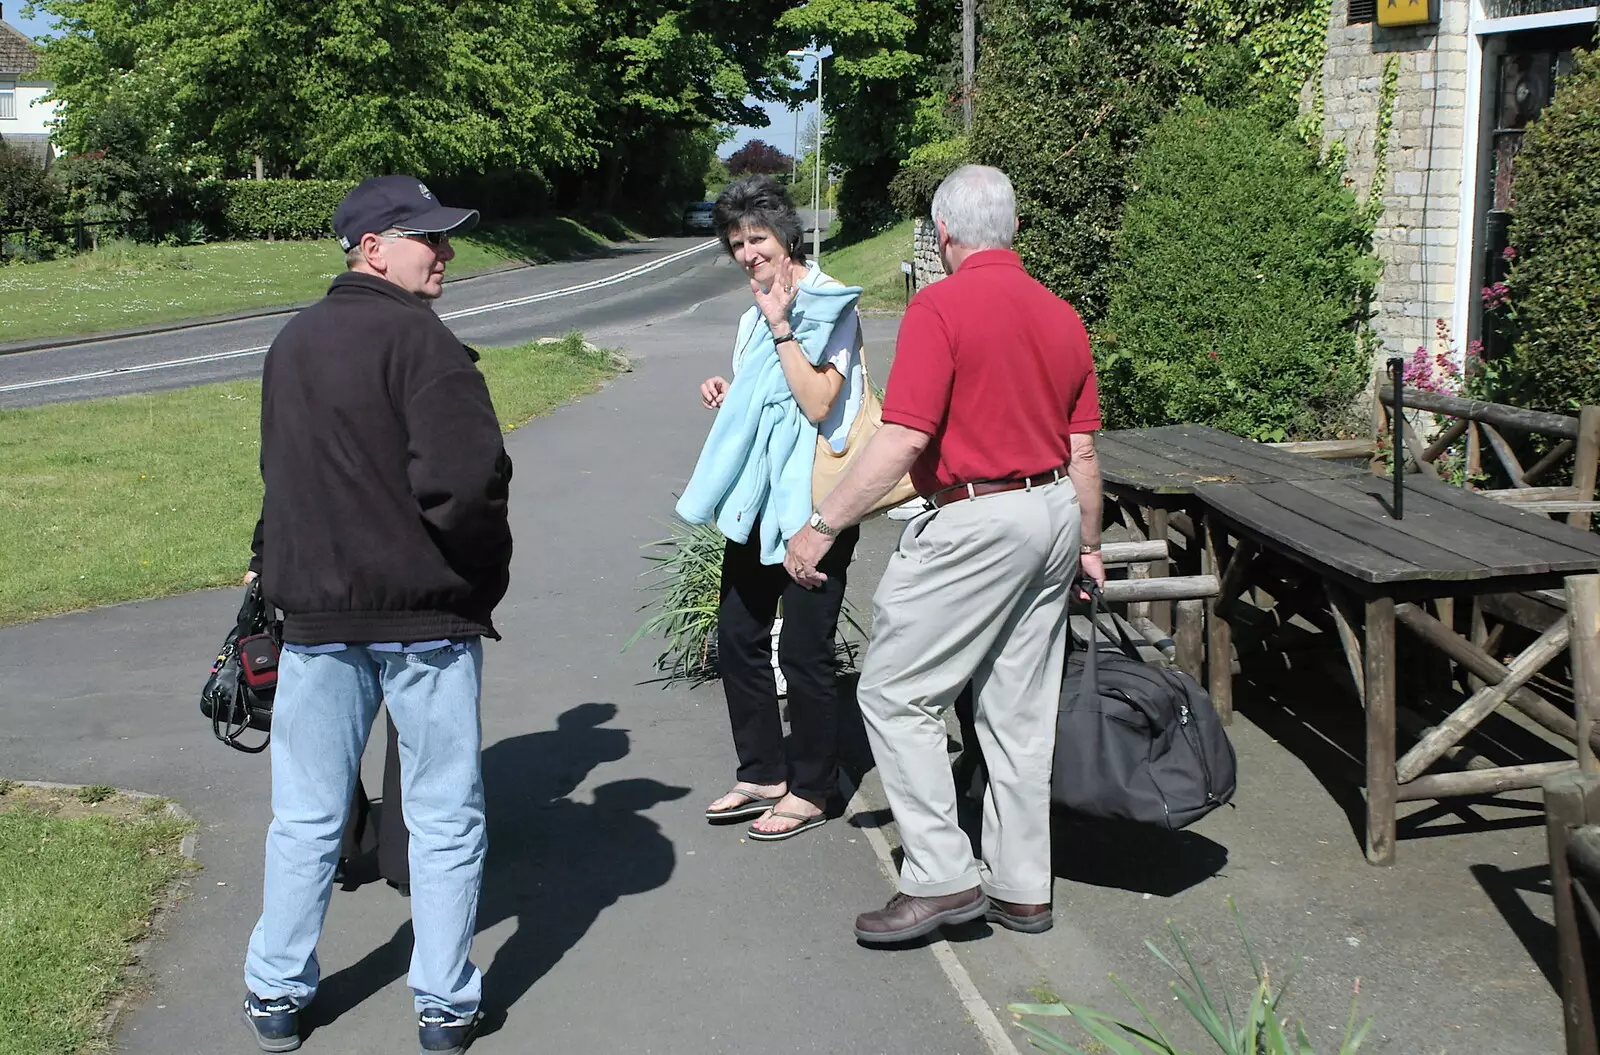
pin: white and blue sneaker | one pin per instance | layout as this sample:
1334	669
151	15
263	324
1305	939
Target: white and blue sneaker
275	1022
440	1030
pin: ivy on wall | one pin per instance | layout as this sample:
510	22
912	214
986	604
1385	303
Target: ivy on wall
1387	90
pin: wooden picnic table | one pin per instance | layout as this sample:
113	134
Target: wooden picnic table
1375	569
1150	476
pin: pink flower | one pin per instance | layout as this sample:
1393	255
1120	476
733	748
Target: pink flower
1508	253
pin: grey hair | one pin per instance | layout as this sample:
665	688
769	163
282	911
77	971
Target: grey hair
978	207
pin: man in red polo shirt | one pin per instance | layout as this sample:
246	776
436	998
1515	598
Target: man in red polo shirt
992	407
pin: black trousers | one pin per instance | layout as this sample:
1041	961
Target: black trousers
750	595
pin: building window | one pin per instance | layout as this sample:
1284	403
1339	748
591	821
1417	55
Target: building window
1511	8
8	102
1362	11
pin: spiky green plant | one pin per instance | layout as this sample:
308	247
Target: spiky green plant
686	578
1260	1030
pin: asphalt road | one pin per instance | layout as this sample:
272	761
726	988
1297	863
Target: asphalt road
604	297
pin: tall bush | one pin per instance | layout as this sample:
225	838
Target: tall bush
281	208
1242	271
29	198
1066	88
1555	279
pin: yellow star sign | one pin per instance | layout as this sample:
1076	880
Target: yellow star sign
1404	12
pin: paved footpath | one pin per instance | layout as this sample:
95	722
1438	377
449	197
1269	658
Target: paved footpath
615	920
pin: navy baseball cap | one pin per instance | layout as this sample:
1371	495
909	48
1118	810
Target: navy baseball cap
401	203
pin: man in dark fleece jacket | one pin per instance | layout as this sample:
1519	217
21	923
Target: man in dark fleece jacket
384	540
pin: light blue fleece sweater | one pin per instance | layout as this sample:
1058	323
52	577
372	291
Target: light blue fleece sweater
757	460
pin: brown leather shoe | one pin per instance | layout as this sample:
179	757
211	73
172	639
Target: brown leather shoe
1029	919
906	917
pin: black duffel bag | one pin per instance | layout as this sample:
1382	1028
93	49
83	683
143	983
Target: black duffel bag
1138	742
244	678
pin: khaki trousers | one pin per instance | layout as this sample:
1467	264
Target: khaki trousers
975	591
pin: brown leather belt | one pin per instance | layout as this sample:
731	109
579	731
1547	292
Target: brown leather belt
990	487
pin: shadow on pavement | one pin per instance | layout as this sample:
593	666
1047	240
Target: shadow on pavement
554	864
1510	890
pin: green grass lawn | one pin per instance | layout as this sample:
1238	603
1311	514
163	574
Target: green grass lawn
78	883
142	496
874	265
124	285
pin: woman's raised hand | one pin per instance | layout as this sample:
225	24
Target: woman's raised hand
775	302
712	391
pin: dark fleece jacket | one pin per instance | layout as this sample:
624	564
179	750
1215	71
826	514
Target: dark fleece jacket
384	516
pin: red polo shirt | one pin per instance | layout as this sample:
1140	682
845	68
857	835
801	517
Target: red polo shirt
996	369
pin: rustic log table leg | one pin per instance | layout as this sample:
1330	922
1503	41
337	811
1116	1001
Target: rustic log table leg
1380	684
1572	800
1583	623
1160	611
1219	633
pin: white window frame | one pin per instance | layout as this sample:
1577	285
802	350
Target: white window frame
8	100
1479	26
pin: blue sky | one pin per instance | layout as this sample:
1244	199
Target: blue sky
780	133
34	27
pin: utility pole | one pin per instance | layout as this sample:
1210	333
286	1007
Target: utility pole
969	59
816	178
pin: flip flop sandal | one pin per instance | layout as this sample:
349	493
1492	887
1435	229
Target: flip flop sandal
806	823
753	806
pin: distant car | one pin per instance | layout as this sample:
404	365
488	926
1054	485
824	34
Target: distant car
697	219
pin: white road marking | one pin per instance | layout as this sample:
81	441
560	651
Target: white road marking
983	1016
217	357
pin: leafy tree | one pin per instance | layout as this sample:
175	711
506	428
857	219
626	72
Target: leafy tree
759	157
886	87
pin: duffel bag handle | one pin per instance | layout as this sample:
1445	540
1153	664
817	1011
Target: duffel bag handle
1089	691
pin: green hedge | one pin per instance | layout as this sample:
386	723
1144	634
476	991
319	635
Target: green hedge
922	171
1242	276
280	208
1555	278
1066	88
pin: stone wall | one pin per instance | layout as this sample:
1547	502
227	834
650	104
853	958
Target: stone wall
925	266
1416	235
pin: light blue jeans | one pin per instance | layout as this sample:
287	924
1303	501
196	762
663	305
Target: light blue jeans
323	711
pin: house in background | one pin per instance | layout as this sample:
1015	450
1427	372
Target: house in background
25	114
1466	77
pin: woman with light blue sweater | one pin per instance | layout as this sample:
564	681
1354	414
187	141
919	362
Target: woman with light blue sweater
796	375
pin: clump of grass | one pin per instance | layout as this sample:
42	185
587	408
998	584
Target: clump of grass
121	255
687	581
687	577
94	794
1255	1028
6	786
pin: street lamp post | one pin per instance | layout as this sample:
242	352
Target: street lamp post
816	177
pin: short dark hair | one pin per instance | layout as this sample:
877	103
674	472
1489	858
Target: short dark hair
760	201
